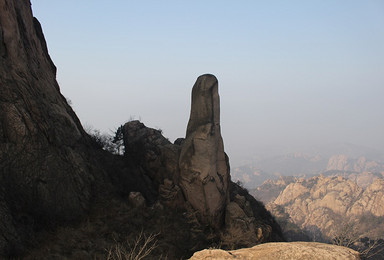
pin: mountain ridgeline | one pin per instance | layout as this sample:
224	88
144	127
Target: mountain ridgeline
334	159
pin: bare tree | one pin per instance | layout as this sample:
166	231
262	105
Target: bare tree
349	236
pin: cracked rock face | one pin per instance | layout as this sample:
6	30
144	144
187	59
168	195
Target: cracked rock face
204	167
44	174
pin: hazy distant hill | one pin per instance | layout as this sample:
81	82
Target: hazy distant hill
335	158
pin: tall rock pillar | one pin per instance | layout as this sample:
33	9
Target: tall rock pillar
204	167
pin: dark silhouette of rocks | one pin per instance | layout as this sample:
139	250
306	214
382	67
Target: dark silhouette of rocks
52	173
46	175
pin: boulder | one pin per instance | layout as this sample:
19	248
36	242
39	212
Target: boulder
149	149
240	228
204	167
157	158
281	251
247	222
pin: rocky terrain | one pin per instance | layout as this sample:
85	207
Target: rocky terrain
63	196
325	206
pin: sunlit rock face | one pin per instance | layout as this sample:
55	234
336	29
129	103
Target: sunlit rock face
282	251
327	204
204	167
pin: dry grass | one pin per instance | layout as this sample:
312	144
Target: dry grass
138	250
116	230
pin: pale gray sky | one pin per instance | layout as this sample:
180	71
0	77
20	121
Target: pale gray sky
290	73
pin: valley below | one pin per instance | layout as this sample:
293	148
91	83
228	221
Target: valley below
333	198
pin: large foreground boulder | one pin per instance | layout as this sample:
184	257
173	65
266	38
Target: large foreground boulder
282	251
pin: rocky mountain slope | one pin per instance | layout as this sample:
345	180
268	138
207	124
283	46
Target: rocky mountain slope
326	206
46	173
62	196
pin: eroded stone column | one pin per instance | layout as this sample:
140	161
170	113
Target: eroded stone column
204	167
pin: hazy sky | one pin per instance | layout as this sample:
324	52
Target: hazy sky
290	72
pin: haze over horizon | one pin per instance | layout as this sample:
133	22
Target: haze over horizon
291	73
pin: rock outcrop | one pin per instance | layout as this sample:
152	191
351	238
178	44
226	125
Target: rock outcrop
282	251
157	158
192	174
45	173
327	205
204	167
370	201
52	173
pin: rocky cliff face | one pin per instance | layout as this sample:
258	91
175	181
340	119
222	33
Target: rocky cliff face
45	173
52	174
330	204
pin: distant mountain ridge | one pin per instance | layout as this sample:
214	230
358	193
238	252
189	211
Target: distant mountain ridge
342	162
310	162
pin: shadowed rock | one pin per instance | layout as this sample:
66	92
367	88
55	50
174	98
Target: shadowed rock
45	175
204	167
51	172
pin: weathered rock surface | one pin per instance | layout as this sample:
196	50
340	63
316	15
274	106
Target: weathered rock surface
45	173
281	251
193	174
204	167
371	200
330	204
157	158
